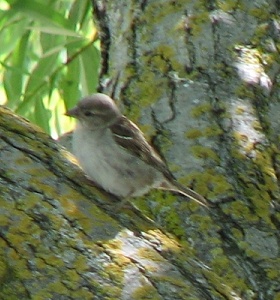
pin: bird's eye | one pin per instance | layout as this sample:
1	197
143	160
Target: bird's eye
88	113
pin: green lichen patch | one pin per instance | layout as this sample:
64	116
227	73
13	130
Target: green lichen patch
150	254
153	15
205	224
201	109
7	273
209	184
262	12
249	251
197	21
231	288
113	244
145	292
194	133
228	5
276	296
241	212
204	153
242	91
58	288
238	234
82	293
273	273
115	272
168	244
173	224
213	131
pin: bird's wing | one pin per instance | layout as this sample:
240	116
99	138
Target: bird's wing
130	137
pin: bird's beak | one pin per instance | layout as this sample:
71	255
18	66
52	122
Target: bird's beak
74	112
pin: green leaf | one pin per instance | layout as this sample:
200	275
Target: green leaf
45	68
56	30
45	55
41	12
79	12
89	69
38	82
14	76
69	85
42	115
50	43
11	33
62	123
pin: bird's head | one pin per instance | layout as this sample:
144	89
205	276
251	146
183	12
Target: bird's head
95	112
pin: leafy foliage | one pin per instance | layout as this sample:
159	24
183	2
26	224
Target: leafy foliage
49	58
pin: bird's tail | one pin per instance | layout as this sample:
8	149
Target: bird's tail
187	192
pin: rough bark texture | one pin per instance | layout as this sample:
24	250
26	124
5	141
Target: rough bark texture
203	79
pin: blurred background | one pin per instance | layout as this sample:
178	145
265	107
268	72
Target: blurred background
49	59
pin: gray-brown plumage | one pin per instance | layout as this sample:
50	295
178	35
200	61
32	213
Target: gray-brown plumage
115	154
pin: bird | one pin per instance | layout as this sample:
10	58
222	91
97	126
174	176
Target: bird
114	153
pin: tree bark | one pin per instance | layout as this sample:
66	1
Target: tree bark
203	82
203	78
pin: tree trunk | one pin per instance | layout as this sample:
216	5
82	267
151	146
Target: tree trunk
204	77
202	80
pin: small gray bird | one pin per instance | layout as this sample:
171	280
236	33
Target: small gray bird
114	153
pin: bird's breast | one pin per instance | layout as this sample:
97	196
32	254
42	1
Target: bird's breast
111	166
